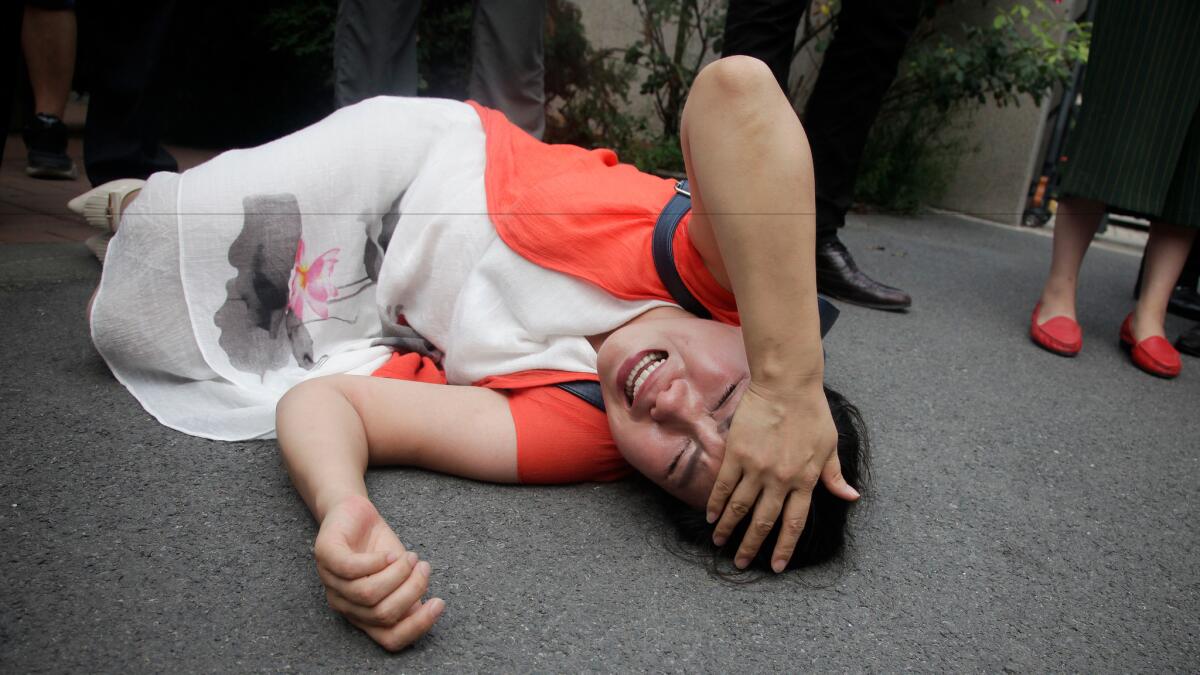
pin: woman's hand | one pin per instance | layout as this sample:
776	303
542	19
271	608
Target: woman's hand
369	577
779	446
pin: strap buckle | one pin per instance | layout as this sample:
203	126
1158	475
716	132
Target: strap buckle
682	188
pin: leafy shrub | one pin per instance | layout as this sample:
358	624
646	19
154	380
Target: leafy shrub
914	145
586	88
669	63
672	62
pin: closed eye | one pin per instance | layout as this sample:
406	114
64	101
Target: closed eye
723	427
725	397
690	442
678	456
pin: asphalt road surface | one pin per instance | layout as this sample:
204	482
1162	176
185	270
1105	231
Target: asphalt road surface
1028	512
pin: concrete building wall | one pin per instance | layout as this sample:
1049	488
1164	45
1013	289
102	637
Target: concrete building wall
609	23
993	176
1004	144
616	24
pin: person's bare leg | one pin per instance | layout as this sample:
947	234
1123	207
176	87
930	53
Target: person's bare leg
1075	225
1166	251
48	42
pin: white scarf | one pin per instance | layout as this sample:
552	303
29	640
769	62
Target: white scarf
234	281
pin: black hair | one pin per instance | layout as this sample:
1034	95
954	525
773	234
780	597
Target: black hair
825	532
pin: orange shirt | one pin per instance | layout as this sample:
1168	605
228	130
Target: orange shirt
560	438
582	213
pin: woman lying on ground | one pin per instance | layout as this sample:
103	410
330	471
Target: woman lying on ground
432	242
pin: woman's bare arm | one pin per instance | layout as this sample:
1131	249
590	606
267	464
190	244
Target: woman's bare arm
754	224
330	429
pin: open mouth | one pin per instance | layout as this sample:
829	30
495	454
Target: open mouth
641	372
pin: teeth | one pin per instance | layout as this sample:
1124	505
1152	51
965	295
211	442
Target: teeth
642	378
633	373
639	373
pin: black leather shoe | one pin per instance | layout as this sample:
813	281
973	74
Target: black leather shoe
1189	342
838	277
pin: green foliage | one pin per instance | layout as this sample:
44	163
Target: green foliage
903	166
586	88
1016	55
660	154
444	48
587	95
671	64
914	146
304	30
918	136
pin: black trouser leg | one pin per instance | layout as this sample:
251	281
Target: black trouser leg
858	68
1185	300
766	30
1190	276
375	49
125	116
10	56
508	68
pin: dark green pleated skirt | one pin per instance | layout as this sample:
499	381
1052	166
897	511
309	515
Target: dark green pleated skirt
1136	145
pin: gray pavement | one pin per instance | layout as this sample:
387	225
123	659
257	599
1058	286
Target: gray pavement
1028	512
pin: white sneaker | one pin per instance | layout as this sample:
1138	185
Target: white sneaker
101	206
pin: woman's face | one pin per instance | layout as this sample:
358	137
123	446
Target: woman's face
670	387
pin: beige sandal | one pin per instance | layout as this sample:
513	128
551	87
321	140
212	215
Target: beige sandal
98	245
101	206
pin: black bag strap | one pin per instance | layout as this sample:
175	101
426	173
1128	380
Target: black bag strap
662	250
588	390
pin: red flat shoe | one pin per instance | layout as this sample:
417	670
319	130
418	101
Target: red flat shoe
1154	354
1060	335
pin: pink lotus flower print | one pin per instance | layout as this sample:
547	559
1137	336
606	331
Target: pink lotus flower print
311	285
